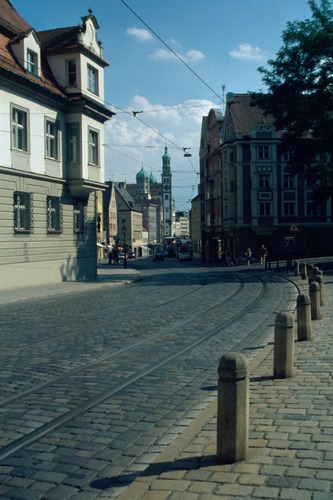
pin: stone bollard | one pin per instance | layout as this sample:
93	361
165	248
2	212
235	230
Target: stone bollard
310	272
315	300
303	311
320	280
296	268
284	345
303	271
232	408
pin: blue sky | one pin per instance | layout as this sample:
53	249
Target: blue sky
222	43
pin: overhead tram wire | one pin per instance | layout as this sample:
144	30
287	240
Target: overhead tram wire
171	50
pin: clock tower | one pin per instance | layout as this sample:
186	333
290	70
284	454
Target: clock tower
167	194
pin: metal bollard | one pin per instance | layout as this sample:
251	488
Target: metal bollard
319	279
303	270
296	268
232	408
303	311
315	300
284	345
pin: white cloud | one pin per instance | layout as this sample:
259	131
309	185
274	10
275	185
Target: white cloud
195	55
140	34
163	54
245	52
129	143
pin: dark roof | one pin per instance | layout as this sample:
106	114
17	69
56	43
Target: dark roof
245	116
59	38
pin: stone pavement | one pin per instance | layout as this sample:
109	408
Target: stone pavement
291	433
106	275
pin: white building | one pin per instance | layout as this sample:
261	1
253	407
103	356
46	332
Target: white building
51	156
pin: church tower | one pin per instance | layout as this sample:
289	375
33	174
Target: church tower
167	194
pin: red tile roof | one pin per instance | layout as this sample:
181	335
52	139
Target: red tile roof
13	26
10	19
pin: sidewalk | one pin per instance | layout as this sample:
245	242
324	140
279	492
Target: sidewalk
106	275
291	434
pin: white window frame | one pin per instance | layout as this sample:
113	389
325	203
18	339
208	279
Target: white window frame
93	146
264	180
93	80
32	62
20	130
51	139
264	152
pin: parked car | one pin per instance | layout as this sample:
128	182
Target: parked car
185	254
158	255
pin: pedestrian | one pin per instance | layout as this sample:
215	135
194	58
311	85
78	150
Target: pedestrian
248	255
262	255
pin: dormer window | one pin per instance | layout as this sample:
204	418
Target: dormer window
71	73
92	79
32	62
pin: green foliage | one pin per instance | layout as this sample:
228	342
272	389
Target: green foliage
300	96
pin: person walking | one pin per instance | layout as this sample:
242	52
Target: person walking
262	255
248	255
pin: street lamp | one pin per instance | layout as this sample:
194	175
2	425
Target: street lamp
124	229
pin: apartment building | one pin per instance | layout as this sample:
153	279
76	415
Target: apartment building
260	201
51	154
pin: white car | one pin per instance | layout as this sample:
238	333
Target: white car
185	255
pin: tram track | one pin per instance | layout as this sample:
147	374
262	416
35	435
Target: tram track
92	369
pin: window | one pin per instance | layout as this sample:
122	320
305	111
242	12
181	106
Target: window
264	209
289	203
263	153
73	142
79	216
54	214
23	221
19	129
32	62
93	147
92	79
51	139
311	209
288	179
264	180
71	73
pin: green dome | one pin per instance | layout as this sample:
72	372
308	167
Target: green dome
152	179
142	174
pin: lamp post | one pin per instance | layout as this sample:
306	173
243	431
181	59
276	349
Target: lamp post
124	229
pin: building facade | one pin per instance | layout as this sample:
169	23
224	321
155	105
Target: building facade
51	160
211	185
261	202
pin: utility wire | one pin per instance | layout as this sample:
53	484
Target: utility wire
171	50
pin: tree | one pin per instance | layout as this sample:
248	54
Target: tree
300	97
